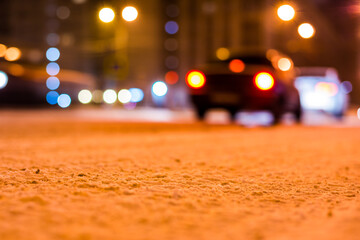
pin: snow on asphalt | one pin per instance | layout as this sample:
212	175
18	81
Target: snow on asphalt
76	179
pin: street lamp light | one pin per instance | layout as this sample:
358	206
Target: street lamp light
306	30
106	15
129	13
286	12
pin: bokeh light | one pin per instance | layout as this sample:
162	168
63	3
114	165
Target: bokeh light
52	54
346	87
3	79
63	12
130	105
171	44
12	54
264	81
195	79
106	15
171	77
306	30
97	96
35	55
52	39
171	27
2	50
52	69
284	64
124	96
271	54
16	70
64	100
222	53
137	95
159	88
129	13
110	96
85	96
52	83
52	97
286	12
67	39
236	65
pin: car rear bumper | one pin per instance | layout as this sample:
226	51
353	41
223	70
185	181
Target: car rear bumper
235	101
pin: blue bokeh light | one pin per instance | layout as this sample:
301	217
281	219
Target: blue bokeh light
137	95
64	100
171	27
52	54
52	69
52	83
52	97
3	79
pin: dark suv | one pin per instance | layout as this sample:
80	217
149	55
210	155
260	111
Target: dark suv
249	81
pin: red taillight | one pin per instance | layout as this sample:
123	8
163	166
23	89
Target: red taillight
236	66
264	81
195	79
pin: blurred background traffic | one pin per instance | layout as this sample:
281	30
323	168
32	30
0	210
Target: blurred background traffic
63	54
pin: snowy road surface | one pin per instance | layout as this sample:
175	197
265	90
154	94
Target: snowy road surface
66	176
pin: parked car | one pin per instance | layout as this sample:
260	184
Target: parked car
251	81
321	90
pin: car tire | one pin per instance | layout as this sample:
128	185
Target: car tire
339	115
200	113
276	116
233	112
298	114
278	110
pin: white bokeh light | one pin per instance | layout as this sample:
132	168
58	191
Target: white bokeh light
85	96
286	12
110	96
106	15
306	30
129	13
159	88
124	96
284	64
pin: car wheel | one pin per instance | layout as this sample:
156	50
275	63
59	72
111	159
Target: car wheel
277	114
200	112
298	114
278	110
339	115
233	112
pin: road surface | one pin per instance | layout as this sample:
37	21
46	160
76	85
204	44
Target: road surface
91	175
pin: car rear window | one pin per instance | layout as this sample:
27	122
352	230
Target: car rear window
253	60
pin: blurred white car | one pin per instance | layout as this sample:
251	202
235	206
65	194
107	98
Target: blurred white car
321	89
